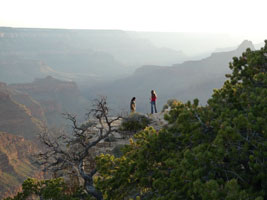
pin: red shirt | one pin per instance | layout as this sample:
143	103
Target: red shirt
153	98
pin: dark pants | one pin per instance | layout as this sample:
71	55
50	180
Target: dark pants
153	104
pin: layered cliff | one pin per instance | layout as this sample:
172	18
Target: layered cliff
16	118
24	110
55	97
31	104
16	163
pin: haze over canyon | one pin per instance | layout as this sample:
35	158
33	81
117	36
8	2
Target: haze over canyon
47	72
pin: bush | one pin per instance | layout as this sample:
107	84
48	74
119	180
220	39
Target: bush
117	150
135	122
170	104
51	189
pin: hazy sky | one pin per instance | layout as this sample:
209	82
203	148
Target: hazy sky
237	16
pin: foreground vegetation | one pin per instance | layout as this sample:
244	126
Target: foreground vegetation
217	152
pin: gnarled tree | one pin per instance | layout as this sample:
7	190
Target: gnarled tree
70	153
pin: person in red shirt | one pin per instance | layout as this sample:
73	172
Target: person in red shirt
153	101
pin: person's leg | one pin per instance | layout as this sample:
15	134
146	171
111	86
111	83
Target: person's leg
155	107
151	107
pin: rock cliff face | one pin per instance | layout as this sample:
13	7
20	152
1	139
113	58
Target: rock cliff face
25	99
55	97
16	163
16	118
24	109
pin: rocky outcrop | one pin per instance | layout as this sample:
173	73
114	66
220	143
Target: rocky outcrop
16	163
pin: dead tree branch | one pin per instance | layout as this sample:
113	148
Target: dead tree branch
65	152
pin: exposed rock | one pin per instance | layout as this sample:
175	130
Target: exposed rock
16	163
157	120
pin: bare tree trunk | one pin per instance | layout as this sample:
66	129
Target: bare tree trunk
88	182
